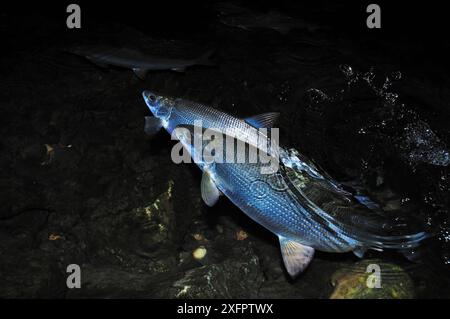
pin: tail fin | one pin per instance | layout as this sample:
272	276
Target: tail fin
412	247
205	58
401	242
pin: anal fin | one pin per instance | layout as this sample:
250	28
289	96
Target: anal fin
296	256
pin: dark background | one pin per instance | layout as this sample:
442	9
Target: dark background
410	32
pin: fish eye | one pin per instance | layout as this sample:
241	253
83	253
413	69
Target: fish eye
152	98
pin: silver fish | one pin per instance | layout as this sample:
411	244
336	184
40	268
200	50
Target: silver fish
137	61
299	203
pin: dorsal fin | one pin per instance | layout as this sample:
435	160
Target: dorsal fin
296	256
265	120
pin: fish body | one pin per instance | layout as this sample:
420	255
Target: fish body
299	202
273	20
268	200
136	60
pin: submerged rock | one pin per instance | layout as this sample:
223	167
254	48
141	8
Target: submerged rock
361	281
199	253
229	279
280	289
159	218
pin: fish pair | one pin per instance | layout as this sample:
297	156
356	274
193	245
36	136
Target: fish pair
304	207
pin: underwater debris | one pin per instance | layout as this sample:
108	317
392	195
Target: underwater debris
198	237
53	237
199	253
51	151
241	235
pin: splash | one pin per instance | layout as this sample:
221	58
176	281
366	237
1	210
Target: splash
417	143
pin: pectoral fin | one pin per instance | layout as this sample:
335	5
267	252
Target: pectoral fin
210	193
140	73
265	120
296	256
152	125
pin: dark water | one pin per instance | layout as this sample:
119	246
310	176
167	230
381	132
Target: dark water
370	106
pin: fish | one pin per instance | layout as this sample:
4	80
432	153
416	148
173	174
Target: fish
273	20
302	205
138	61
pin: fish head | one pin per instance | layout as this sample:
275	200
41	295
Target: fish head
160	106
